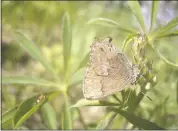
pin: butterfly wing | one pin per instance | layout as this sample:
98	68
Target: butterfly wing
99	55
92	84
110	71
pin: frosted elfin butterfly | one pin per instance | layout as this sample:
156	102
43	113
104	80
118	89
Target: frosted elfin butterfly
110	71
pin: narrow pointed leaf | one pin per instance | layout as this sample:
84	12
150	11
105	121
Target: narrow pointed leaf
8	114
25	116
164	30
78	76
7	125
67	39
164	58
106	122
49	116
84	102
26	80
30	106
33	50
137	121
135	7
169	34
111	22
84	62
154	10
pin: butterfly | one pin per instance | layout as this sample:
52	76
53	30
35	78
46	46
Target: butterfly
110	71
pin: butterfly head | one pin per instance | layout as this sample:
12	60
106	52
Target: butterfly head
136	70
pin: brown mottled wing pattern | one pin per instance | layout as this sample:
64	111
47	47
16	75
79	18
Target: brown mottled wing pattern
109	72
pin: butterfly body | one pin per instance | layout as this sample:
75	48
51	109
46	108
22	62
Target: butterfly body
109	72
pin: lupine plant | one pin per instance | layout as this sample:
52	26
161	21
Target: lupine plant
125	104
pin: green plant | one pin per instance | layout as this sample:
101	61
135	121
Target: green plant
62	82
28	107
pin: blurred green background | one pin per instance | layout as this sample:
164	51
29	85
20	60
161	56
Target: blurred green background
44	23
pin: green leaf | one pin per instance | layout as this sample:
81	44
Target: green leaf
34	51
162	57
49	116
84	102
127	41
106	122
78	76
154	11
137	121
8	114
110	22
24	111
26	80
66	115
135	7
67	39
84	62
7	125
164	30
168	34
29	107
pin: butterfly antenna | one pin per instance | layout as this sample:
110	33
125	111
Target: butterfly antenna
147	96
